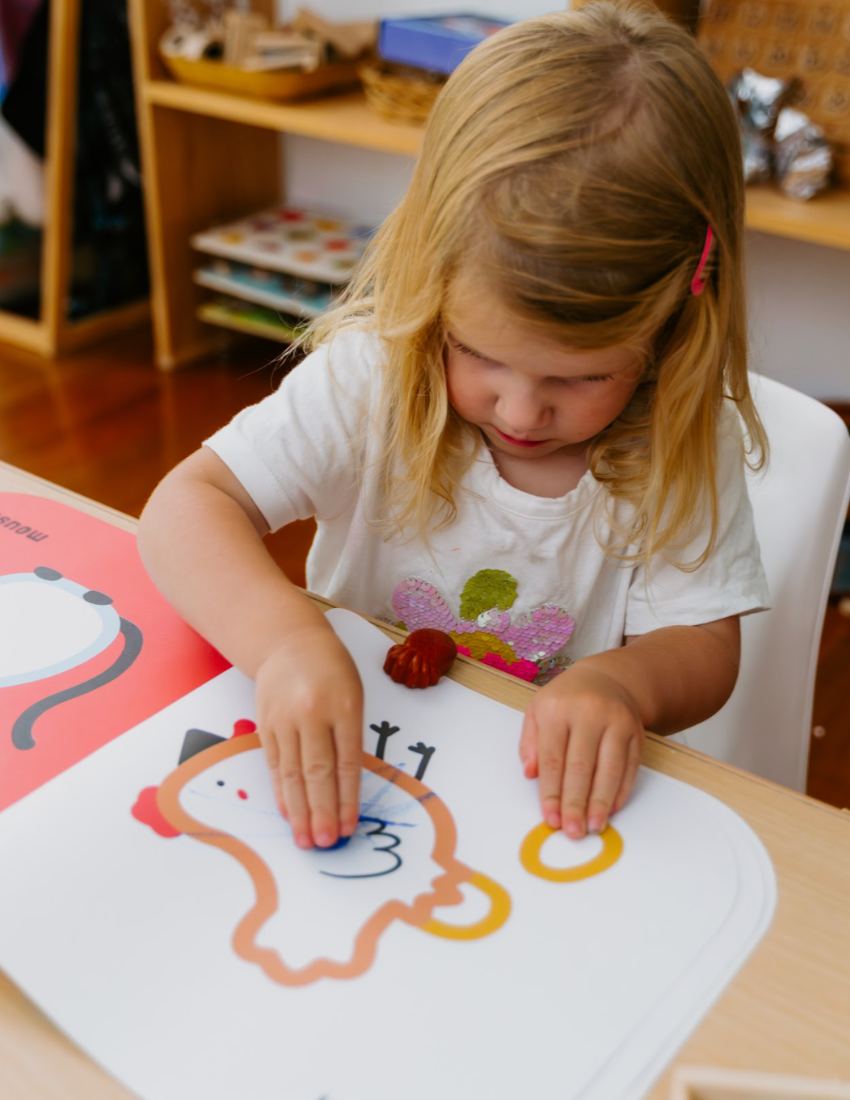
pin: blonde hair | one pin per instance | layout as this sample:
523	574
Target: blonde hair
579	157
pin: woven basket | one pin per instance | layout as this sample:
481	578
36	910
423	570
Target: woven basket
397	92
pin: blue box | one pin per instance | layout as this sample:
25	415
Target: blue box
438	43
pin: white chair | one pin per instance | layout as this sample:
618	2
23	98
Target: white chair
800	505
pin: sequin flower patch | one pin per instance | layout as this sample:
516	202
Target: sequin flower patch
527	645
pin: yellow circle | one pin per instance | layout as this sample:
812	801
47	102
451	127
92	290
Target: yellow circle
529	856
500	908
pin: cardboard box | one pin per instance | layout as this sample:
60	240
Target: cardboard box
438	44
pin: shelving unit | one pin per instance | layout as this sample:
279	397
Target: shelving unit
209	156
53	333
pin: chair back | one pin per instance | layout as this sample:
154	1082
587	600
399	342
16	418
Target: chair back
800	505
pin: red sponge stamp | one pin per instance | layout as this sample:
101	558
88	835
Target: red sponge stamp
421	659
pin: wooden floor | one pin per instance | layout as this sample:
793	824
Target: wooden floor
107	424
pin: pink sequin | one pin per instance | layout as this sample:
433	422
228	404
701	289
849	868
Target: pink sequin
525	670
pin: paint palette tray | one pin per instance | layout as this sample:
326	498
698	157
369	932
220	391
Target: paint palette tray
315	246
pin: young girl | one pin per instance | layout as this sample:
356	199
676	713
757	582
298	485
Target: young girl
523	426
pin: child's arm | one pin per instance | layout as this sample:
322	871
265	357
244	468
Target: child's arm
200	537
584	731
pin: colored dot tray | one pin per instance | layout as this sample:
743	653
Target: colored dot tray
309	244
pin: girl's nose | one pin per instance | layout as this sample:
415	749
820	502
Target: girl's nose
522	412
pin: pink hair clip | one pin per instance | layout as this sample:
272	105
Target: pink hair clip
698	282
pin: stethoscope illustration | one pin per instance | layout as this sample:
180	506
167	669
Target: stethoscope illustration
49	624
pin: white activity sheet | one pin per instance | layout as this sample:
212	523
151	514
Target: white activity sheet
155	906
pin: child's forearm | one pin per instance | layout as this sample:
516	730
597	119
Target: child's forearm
204	550
679	675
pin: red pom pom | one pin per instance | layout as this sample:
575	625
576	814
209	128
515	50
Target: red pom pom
148	812
421	659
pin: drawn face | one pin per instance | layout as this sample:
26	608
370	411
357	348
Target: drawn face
531	397
59	624
321	912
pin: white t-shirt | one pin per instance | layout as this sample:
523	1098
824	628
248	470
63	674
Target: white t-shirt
520	581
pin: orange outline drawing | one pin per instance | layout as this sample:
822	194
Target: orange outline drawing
444	889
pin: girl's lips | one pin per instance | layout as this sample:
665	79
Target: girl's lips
519	442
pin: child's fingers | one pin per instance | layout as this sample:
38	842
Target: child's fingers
318	761
551	754
287	765
578	777
607	780
277	790
528	747
270	748
633	753
349	741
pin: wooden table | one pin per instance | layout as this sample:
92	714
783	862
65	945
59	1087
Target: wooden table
787	1010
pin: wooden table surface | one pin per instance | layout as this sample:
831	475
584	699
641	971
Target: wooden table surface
786	1011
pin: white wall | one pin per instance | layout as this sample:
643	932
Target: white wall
800	314
799	293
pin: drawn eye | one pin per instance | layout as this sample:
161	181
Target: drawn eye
219	783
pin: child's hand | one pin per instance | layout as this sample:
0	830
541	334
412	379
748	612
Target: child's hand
310	718
582	737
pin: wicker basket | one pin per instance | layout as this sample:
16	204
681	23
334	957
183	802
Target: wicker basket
397	92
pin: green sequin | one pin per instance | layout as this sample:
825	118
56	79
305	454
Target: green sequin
488	588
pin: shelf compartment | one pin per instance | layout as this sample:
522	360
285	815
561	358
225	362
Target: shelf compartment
253	292
822	220
23	332
256	321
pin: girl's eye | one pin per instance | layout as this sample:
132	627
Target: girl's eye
589	378
464	349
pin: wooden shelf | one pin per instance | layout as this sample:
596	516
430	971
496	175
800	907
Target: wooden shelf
214	314
344	118
822	220
24	332
349	120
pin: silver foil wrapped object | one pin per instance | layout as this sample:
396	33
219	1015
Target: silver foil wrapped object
759	99
757	152
803	158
